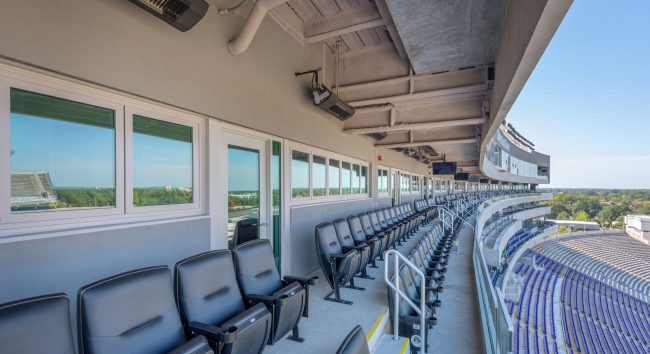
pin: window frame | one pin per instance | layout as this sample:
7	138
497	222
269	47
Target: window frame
328	156
7	218
311	176
165	116
56	221
380	180
309	172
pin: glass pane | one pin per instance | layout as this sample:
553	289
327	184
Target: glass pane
385	181
345	178
276	178
318	175
162	162
62	154
364	180
299	174
356	173
334	172
243	186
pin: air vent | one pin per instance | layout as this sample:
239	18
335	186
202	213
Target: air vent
182	14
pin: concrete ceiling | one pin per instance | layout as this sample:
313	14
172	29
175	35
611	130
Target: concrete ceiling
441	35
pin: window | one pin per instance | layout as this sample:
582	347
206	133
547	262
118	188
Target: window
405	182
382	180
415	183
319	173
162	162
356	175
299	174
364	180
62	154
334	176
346	173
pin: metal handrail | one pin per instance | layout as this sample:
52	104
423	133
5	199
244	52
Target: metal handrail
460	217
421	310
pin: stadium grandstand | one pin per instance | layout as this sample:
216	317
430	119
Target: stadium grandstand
32	191
290	176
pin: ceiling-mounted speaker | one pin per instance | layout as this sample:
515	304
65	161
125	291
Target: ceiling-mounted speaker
182	14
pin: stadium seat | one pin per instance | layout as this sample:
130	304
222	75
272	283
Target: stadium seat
36	325
338	266
208	295
354	343
360	237
245	230
259	280
134	312
348	243
374	231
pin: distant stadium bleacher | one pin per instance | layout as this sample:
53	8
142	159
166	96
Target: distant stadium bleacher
586	293
32	190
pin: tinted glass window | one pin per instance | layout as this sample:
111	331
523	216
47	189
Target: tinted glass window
299	174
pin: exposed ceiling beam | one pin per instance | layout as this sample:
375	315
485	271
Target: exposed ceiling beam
416	126
344	30
350	20
430	143
374	109
453	92
396	80
390	26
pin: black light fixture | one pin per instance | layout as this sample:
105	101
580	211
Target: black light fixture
182	14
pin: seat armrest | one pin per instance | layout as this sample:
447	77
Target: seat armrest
347	254
265	299
304	281
214	333
360	243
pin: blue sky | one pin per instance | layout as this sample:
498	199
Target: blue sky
78	155
587	102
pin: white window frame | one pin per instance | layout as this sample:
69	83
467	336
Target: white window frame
164	115
46	221
309	178
30	219
328	155
380	169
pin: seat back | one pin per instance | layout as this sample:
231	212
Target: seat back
246	230
366	224
255	268
206	288
343	232
358	234
36	325
374	220
132	312
387	216
354	343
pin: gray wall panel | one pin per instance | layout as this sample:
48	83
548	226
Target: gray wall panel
65	263
303	221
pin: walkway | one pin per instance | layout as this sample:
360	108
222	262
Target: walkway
459	319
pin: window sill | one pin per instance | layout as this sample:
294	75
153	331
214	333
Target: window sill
17	232
327	200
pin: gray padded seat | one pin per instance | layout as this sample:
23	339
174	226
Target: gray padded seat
359	236
338	266
259	280
207	294
348	243
133	312
370	231
36	325
354	343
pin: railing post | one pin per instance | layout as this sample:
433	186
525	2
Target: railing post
396	300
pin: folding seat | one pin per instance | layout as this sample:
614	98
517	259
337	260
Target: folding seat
386	227
348	243
432	282
373	229
400	227
338	266
36	325
245	230
408	319
354	343
361	237
378	229
135	312
435	270
259	281
207	295
413	291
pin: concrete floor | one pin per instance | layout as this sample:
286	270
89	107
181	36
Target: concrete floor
459	322
330	322
459	325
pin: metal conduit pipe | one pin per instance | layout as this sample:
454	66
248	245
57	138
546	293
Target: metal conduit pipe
240	44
